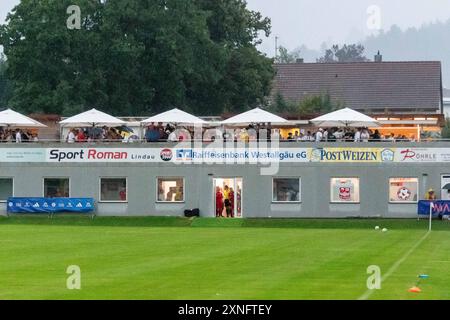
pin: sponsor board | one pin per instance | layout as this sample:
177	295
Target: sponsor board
422	155
102	155
353	155
240	155
225	155
22	155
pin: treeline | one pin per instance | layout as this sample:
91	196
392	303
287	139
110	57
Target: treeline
133	57
309	106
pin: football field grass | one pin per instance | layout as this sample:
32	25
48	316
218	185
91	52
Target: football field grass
174	258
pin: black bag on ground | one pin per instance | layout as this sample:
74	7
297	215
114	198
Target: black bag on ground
192	213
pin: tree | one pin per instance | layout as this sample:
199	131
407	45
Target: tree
284	56
280	105
136	57
5	83
446	130
309	105
348	53
316	104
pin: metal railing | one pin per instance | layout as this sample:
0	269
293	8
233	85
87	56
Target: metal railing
144	141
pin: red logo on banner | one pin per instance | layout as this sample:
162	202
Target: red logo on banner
166	154
408	154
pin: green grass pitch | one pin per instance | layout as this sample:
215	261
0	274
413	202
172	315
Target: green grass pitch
175	258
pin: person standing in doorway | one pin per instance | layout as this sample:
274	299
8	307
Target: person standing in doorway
219	202
231	198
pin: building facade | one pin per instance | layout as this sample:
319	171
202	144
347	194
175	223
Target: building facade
300	180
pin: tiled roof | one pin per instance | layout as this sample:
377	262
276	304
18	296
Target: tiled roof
364	86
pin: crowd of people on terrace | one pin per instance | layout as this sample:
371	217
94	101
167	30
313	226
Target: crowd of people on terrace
79	135
171	133
345	135
17	135
265	132
253	132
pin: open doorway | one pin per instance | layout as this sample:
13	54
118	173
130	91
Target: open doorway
228	197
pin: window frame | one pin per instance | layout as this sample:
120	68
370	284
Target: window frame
168	178
299	190
345	202
13	188
43	185
403	202
100	200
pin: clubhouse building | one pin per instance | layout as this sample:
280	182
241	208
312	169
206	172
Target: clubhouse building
248	178
311	180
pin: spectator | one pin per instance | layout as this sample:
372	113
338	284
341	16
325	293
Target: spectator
319	135
80	137
357	136
25	136
71	136
325	135
430	195
18	136
376	136
365	136
172	137
269	131
290	137
339	135
152	134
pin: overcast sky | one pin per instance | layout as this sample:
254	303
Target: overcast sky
313	22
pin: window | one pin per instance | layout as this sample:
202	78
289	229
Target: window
56	188
445	187
286	189
6	189
344	190
113	190
403	190
170	190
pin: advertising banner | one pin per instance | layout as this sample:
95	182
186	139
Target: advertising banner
353	155
225	155
50	205
22	154
440	207
239	155
103	155
422	155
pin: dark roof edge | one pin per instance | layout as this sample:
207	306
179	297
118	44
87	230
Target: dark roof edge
353	63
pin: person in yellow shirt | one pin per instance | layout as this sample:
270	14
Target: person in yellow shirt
430	195
226	192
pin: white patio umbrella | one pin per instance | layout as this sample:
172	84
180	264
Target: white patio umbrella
176	116
11	118
94	118
252	116
345	118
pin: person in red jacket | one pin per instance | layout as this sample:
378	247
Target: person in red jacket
219	202
80	137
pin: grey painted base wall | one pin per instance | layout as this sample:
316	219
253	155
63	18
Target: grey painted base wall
256	194
257	188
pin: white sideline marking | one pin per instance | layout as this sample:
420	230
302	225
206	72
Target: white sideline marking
394	267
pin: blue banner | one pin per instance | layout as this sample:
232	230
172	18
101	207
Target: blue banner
50	205
440	207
